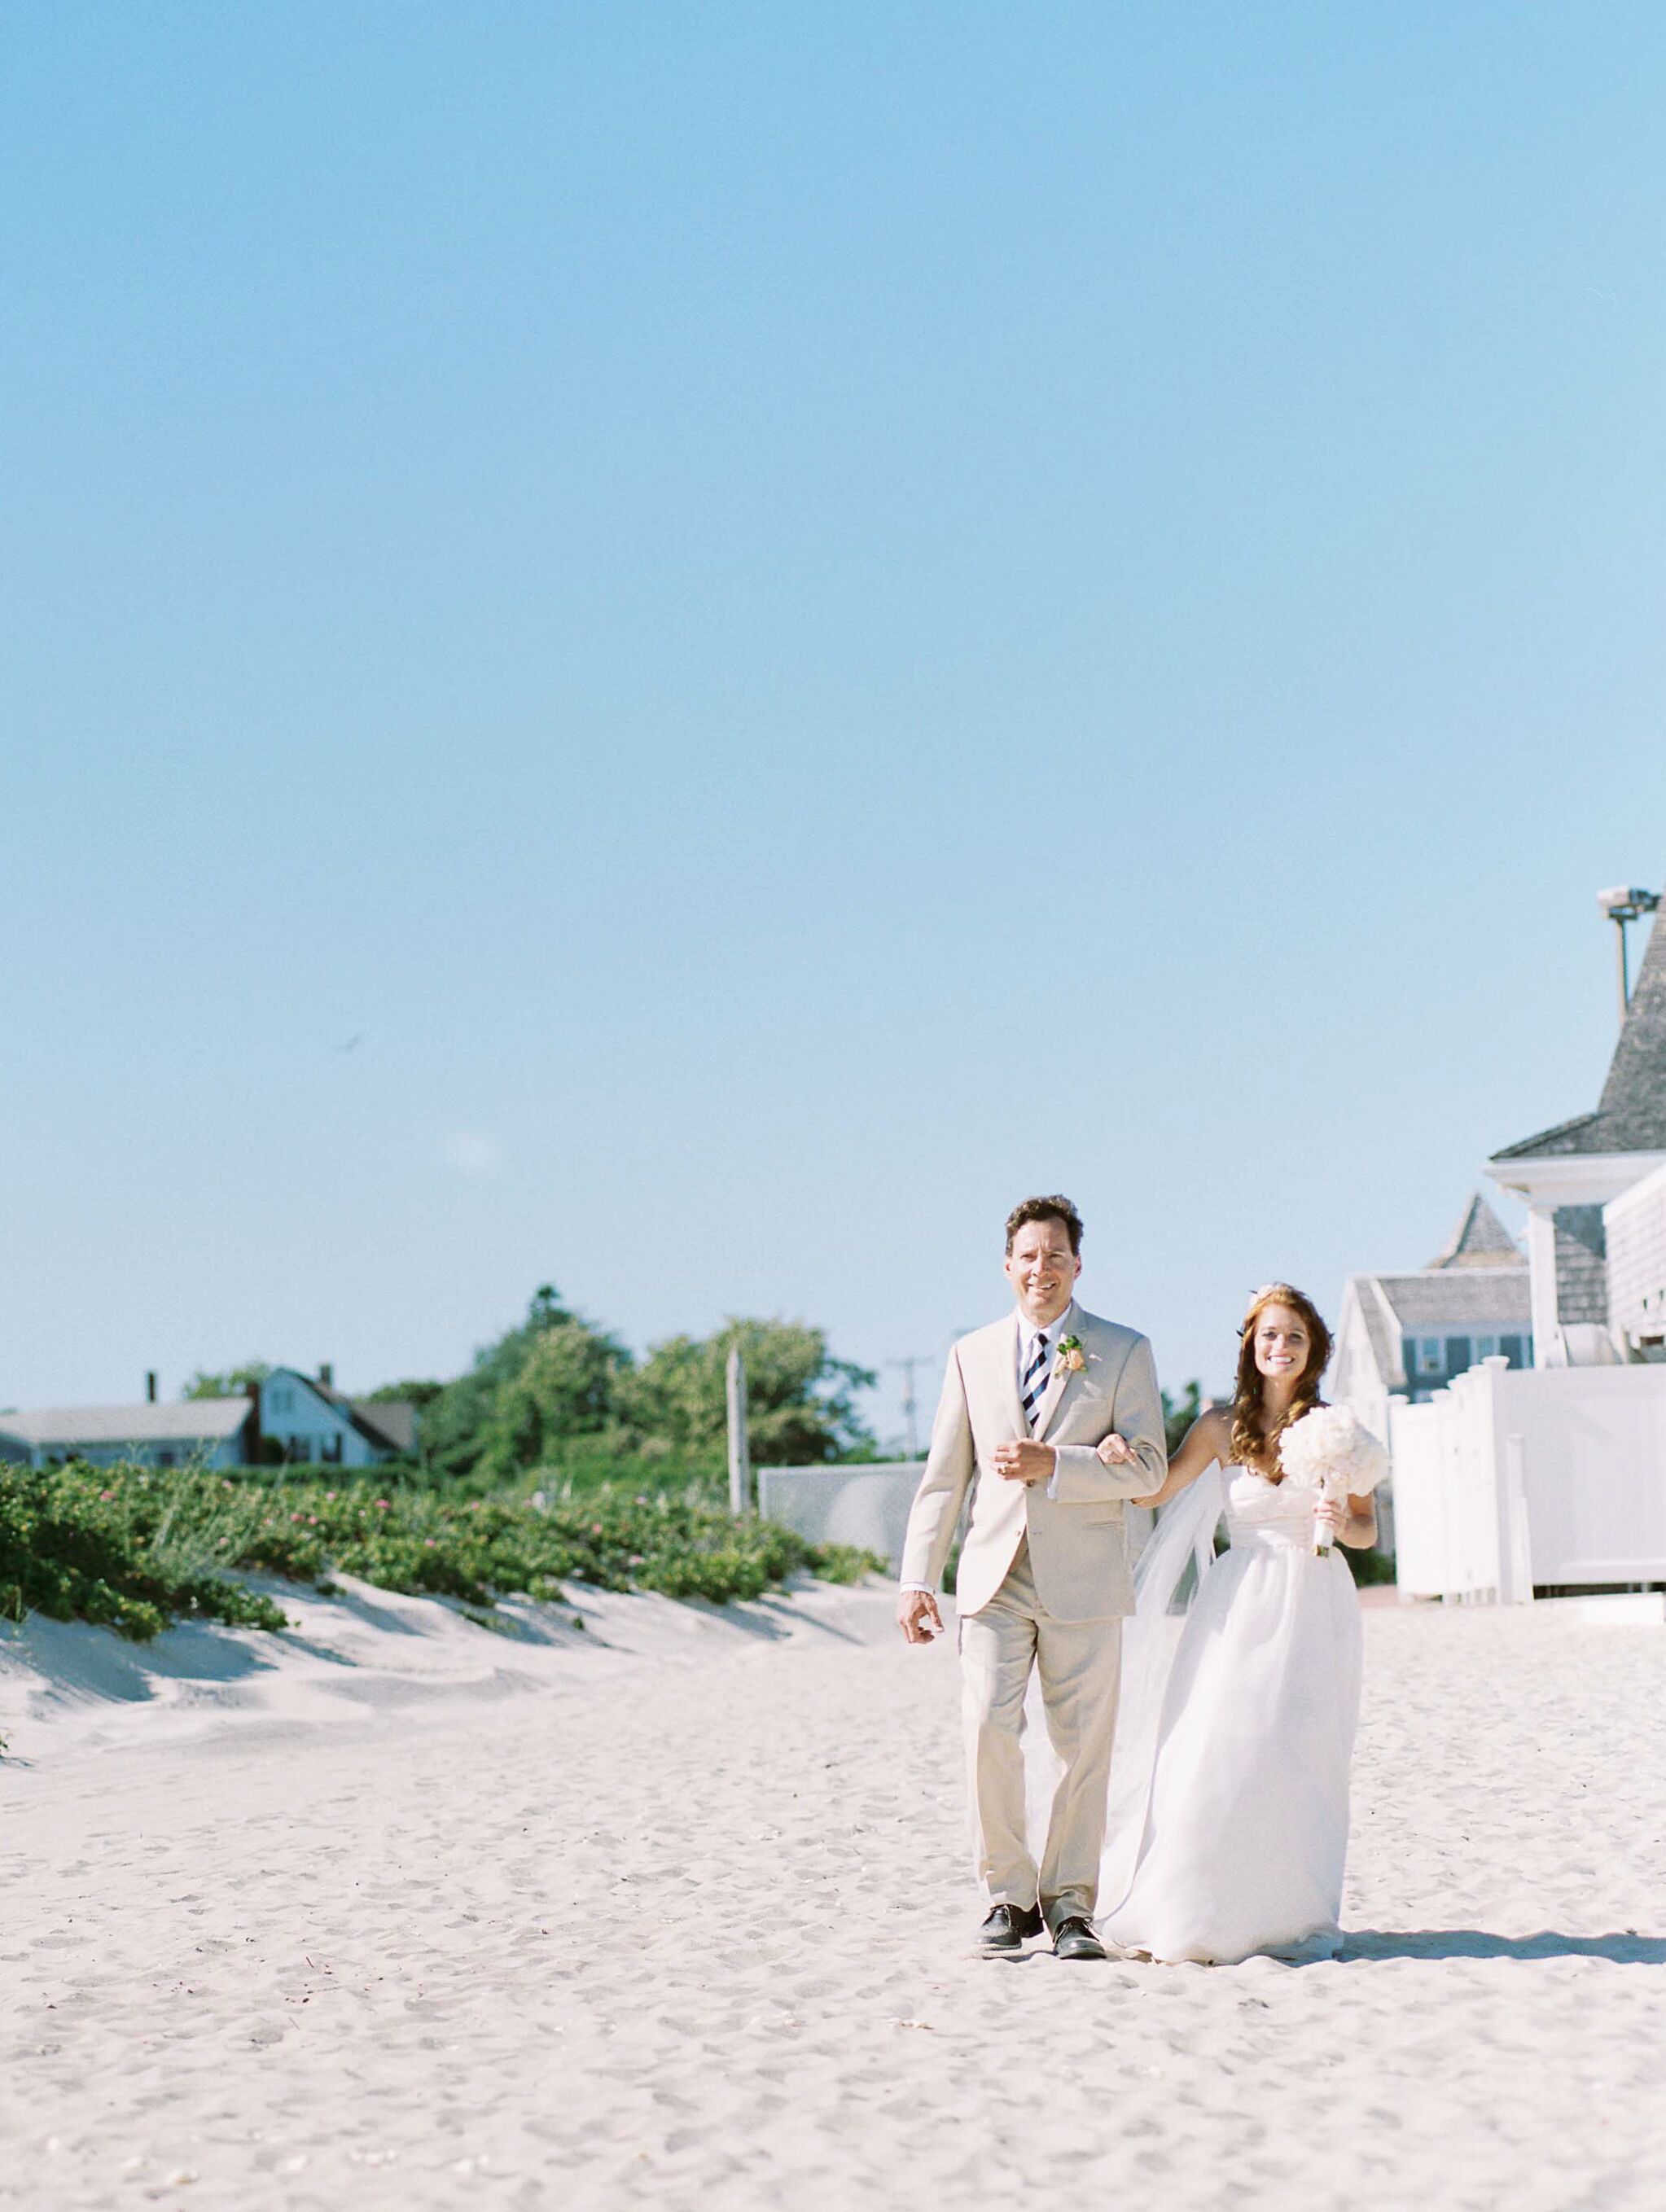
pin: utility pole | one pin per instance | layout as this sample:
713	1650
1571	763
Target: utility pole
1624	903
740	1457
914	1359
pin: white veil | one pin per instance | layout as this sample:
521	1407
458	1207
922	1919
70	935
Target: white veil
1178	1550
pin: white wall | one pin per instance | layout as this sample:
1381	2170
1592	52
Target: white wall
867	1506
863	1506
1547	1475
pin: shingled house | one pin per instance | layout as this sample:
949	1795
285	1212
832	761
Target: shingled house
1408	1335
1581	1180
288	1416
1510	1485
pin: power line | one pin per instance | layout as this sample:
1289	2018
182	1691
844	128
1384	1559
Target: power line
908	1365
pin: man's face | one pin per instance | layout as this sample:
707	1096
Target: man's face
1042	1270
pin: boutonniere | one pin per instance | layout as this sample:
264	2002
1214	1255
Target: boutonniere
1069	1358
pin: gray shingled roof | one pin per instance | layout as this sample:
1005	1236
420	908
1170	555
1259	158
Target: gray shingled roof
1631	1114
1469	1297
1480	1240
393	1420
194	1421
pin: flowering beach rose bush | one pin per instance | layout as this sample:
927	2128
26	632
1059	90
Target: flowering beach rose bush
134	1547
71	1547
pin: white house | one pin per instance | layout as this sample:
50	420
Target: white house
288	1416
1512	1487
303	1418
1408	1335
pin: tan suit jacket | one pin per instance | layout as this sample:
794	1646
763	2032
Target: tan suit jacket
1075	1523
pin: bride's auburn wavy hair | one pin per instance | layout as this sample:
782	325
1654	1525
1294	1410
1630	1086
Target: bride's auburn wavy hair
1249	1447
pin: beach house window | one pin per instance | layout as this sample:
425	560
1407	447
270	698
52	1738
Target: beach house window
1430	1355
1487	1347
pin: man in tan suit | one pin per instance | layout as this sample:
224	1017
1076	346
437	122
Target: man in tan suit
1043	1579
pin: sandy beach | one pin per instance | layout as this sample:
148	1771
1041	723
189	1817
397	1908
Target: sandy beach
699	1933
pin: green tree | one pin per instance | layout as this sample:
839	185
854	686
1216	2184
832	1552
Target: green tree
236	1383
420	1395
554	1376
800	1407
1179	1414
564	1386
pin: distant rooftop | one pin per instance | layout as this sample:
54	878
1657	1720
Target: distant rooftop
1479	1240
395	1421
1472	1297
190	1420
1631	1117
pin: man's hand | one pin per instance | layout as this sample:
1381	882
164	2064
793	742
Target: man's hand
917	1616
1024	1462
1114	1451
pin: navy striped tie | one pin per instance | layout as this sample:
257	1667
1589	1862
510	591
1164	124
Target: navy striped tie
1034	1382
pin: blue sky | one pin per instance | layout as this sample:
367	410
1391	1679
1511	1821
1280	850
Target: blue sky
803	620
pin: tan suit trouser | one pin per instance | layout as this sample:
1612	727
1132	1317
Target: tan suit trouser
1079	1663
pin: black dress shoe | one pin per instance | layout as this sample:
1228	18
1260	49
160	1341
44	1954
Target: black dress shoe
1074	1939
1009	1928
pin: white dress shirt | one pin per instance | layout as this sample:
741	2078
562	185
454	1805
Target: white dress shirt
1028	1333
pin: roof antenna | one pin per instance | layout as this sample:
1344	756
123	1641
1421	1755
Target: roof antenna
1626	903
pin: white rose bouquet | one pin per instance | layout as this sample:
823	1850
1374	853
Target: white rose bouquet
1328	1453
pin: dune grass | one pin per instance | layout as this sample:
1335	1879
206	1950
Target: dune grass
134	1547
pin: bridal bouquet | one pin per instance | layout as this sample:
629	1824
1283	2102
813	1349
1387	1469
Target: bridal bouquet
1327	1452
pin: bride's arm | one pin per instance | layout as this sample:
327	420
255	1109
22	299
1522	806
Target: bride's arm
1357	1527
1206	1442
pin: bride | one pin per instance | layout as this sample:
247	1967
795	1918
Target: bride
1236	1824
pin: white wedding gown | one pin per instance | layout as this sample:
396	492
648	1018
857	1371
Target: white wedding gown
1239	1799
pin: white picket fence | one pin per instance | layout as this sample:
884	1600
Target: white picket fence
1516	1477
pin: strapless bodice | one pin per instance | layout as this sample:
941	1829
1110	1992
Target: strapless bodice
1264	1514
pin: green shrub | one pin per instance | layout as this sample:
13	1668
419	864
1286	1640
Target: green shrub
133	1547
1369	1567
72	1547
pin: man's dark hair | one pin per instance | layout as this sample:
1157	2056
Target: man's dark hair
1047	1209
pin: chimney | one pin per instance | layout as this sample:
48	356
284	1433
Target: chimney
327	1374
149	1386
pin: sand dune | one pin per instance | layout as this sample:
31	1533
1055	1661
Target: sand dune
70	1689
699	1935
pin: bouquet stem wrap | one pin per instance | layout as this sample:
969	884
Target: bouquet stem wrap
1322	1536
